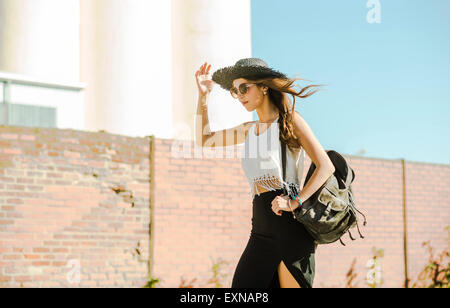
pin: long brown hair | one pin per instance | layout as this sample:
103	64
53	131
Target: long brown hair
279	90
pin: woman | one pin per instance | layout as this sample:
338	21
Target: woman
280	252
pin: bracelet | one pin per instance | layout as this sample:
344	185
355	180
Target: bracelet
297	198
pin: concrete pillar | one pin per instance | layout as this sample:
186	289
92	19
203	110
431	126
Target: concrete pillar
126	64
218	32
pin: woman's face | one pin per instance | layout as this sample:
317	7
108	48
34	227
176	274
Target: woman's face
254	96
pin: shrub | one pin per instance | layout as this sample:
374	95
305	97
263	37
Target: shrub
436	273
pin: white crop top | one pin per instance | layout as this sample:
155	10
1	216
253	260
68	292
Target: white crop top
261	160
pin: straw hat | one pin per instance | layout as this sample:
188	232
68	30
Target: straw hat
249	68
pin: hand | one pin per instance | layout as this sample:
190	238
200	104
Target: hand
281	203
204	83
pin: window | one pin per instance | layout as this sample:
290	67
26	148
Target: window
29	115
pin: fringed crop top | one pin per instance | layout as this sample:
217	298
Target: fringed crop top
261	160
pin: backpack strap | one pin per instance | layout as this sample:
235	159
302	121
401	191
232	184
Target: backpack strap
350	176
283	162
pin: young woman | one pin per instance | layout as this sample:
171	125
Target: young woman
280	252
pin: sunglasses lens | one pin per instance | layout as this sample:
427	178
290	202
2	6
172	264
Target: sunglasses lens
243	88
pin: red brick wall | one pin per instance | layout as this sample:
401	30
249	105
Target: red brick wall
58	202
203	212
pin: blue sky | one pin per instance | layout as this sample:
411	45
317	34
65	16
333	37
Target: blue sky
388	83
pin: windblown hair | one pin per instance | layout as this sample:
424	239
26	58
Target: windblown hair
279	90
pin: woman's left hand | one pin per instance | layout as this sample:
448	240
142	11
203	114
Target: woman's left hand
281	203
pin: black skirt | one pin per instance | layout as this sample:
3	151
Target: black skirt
274	239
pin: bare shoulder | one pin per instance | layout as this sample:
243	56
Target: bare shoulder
309	142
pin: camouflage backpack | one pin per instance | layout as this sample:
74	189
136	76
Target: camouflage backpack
330	212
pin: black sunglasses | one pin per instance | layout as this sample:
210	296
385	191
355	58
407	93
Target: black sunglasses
243	89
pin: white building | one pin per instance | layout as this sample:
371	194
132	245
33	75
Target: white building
123	66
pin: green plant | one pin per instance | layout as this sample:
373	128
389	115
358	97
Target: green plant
374	277
436	273
152	282
217	273
214	281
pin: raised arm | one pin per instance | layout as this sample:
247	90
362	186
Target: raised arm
204	136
